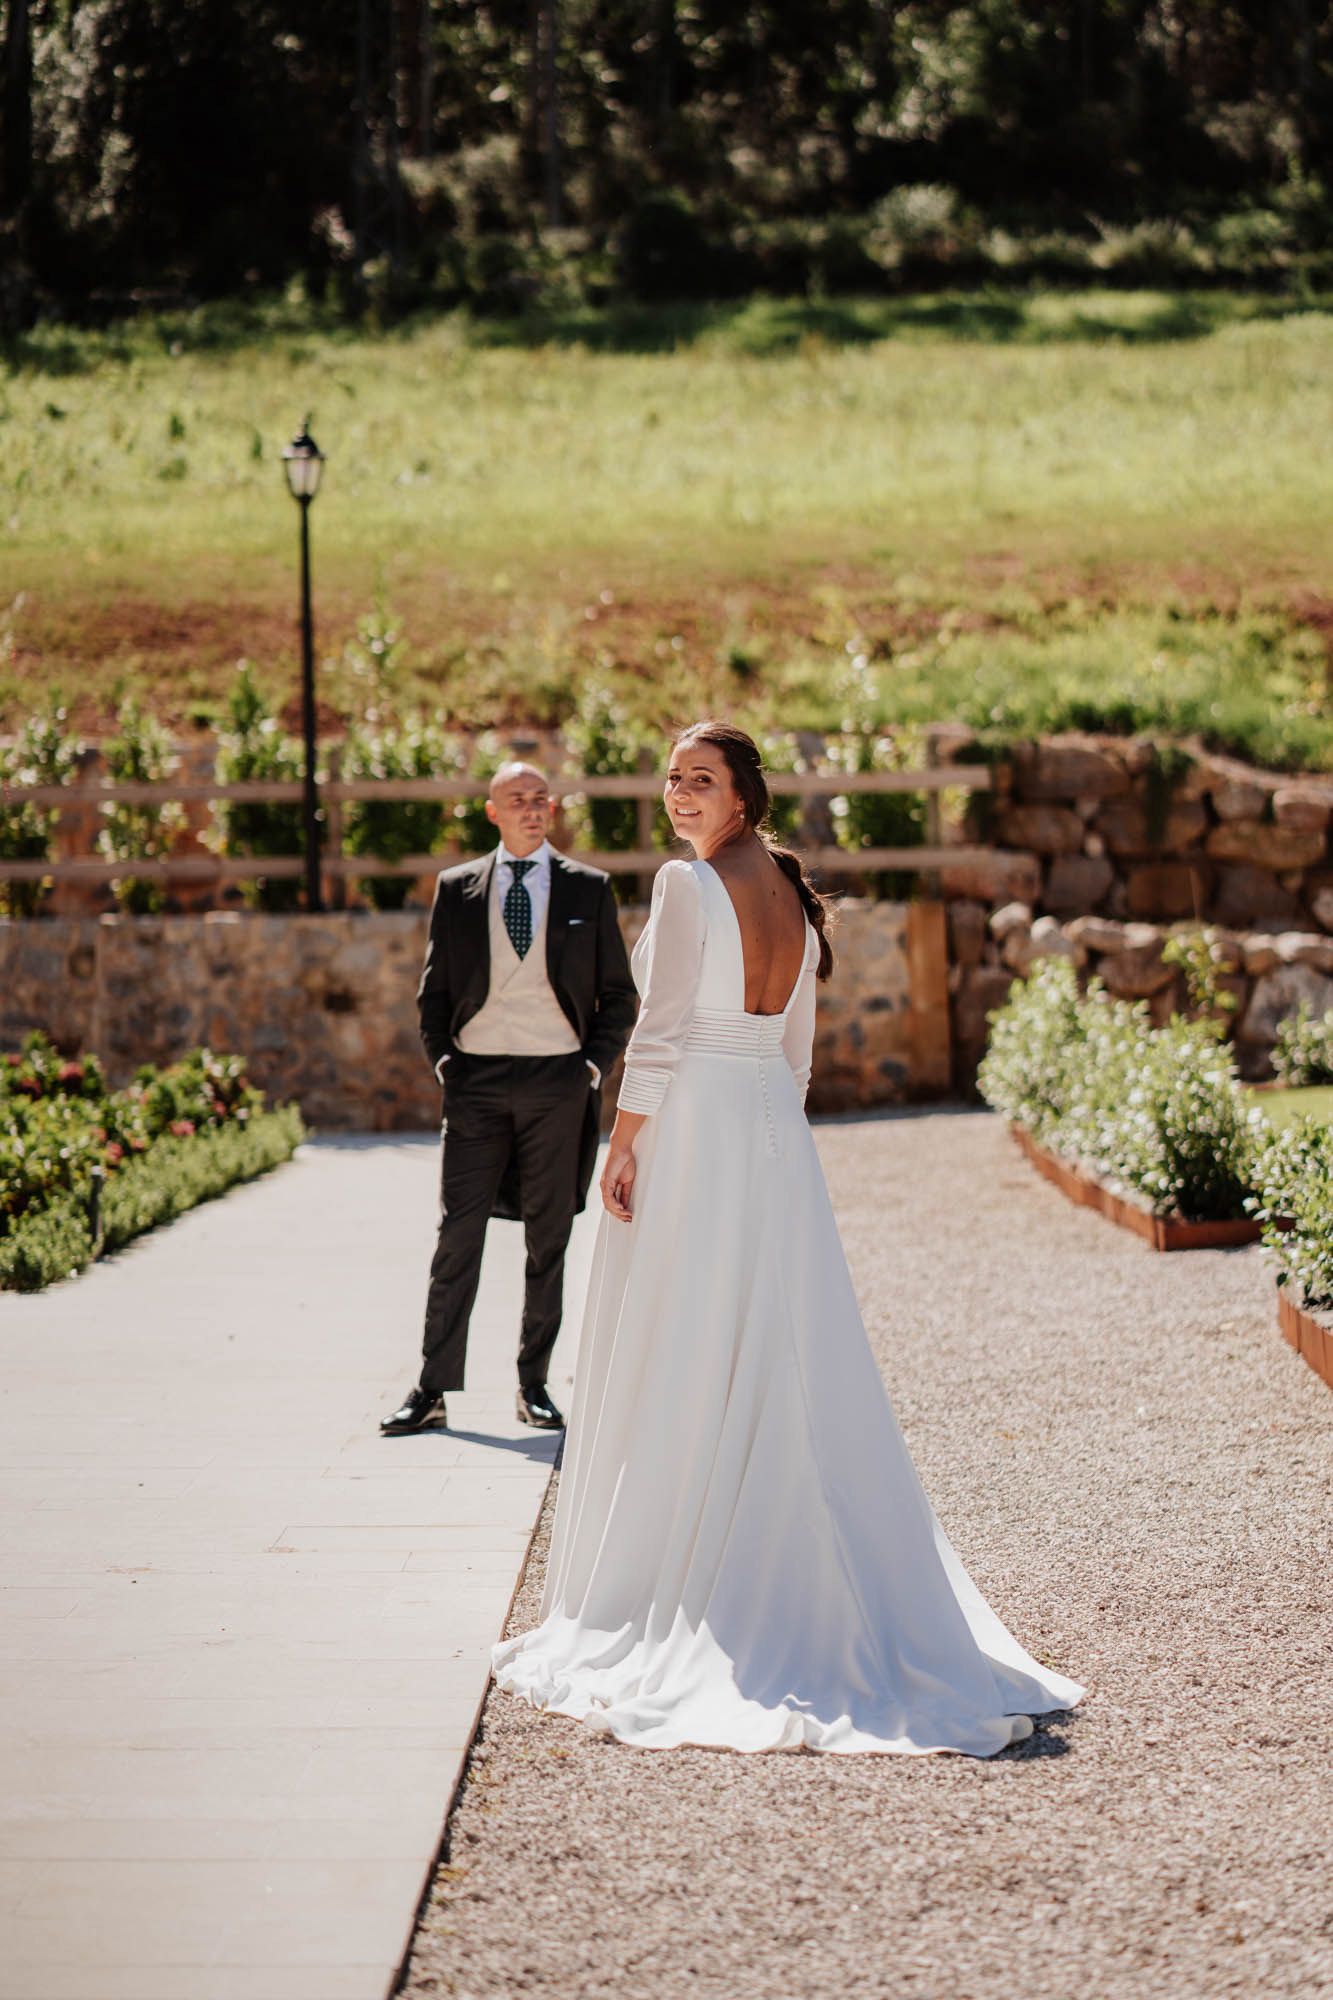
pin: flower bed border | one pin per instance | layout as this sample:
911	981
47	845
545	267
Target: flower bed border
1310	1335
1163	1232
174	1175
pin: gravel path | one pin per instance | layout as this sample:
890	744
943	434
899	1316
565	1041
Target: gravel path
1139	1474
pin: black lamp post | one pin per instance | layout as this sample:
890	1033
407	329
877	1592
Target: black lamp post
303	461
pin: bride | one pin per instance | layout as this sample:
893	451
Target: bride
743	1555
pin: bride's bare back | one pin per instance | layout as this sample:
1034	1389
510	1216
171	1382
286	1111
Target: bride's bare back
772	923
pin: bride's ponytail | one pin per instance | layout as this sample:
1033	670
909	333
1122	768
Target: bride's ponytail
816	908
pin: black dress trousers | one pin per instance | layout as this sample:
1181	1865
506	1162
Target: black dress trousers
533	1106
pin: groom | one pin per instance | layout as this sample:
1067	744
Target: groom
525	1002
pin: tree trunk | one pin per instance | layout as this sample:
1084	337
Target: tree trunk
16	110
426	82
550	123
662	94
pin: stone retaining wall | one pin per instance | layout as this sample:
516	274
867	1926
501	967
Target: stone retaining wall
1102	845
324	1008
1269	972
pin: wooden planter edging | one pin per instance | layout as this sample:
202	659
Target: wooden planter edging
1163	1232
1311	1337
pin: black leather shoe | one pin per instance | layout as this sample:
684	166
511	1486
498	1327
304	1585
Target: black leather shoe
535	1407
419	1406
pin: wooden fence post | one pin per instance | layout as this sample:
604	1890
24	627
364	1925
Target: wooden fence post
645	818
333	829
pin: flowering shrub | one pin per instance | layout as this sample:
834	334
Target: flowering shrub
140	754
59	1122
1303	1049
392	828
1158	1112
253	747
1295	1205
41	754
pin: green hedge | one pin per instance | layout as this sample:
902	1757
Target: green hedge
175	1174
1159	1113
1295	1206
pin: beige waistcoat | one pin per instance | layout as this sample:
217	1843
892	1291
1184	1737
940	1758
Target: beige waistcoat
521	1015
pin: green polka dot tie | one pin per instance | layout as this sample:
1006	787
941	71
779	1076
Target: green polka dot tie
518	909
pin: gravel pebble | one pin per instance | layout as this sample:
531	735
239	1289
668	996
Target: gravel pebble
1138	1473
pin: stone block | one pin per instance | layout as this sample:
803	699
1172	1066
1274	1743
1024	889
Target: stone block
1099	934
1278	994
1125	826
1259	952
1077	882
1047	940
1237	798
984	988
1016	952
1164	889
1246	896
1263	844
1013	917
967	931
1137	972
1302	807
1000	878
1304	948
1046	829
1068	768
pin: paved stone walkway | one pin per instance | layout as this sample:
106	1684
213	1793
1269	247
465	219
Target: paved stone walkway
244	1639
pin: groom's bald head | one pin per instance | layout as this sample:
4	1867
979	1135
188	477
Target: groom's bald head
519	803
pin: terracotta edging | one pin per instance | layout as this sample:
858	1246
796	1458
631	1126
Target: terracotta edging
1311	1337
1163	1232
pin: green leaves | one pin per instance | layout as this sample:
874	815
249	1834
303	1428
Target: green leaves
174	1136
1303	1049
1295	1175
1157	1111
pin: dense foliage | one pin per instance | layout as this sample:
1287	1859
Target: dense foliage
1303	1049
685	147
42	753
1157	1112
1295	1176
253	749
139	753
173	1136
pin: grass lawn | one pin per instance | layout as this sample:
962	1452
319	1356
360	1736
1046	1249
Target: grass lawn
1283	1107
1028	510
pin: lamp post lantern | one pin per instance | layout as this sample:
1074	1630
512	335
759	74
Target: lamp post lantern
303	462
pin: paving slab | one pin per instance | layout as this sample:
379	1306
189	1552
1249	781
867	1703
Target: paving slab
243	1638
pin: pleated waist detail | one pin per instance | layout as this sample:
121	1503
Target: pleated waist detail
720	1032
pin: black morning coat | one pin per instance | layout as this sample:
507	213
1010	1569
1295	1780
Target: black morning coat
586	963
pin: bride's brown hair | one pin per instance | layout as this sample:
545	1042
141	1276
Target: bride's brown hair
747	775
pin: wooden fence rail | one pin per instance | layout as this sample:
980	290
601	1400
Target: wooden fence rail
642	786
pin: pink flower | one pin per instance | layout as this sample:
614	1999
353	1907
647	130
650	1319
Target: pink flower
71	1072
182	1128
114	1152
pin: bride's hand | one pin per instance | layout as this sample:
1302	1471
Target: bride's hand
617	1182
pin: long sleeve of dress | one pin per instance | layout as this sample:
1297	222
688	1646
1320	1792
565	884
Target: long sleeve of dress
675	943
798	1036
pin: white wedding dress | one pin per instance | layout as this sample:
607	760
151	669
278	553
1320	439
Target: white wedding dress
743	1555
